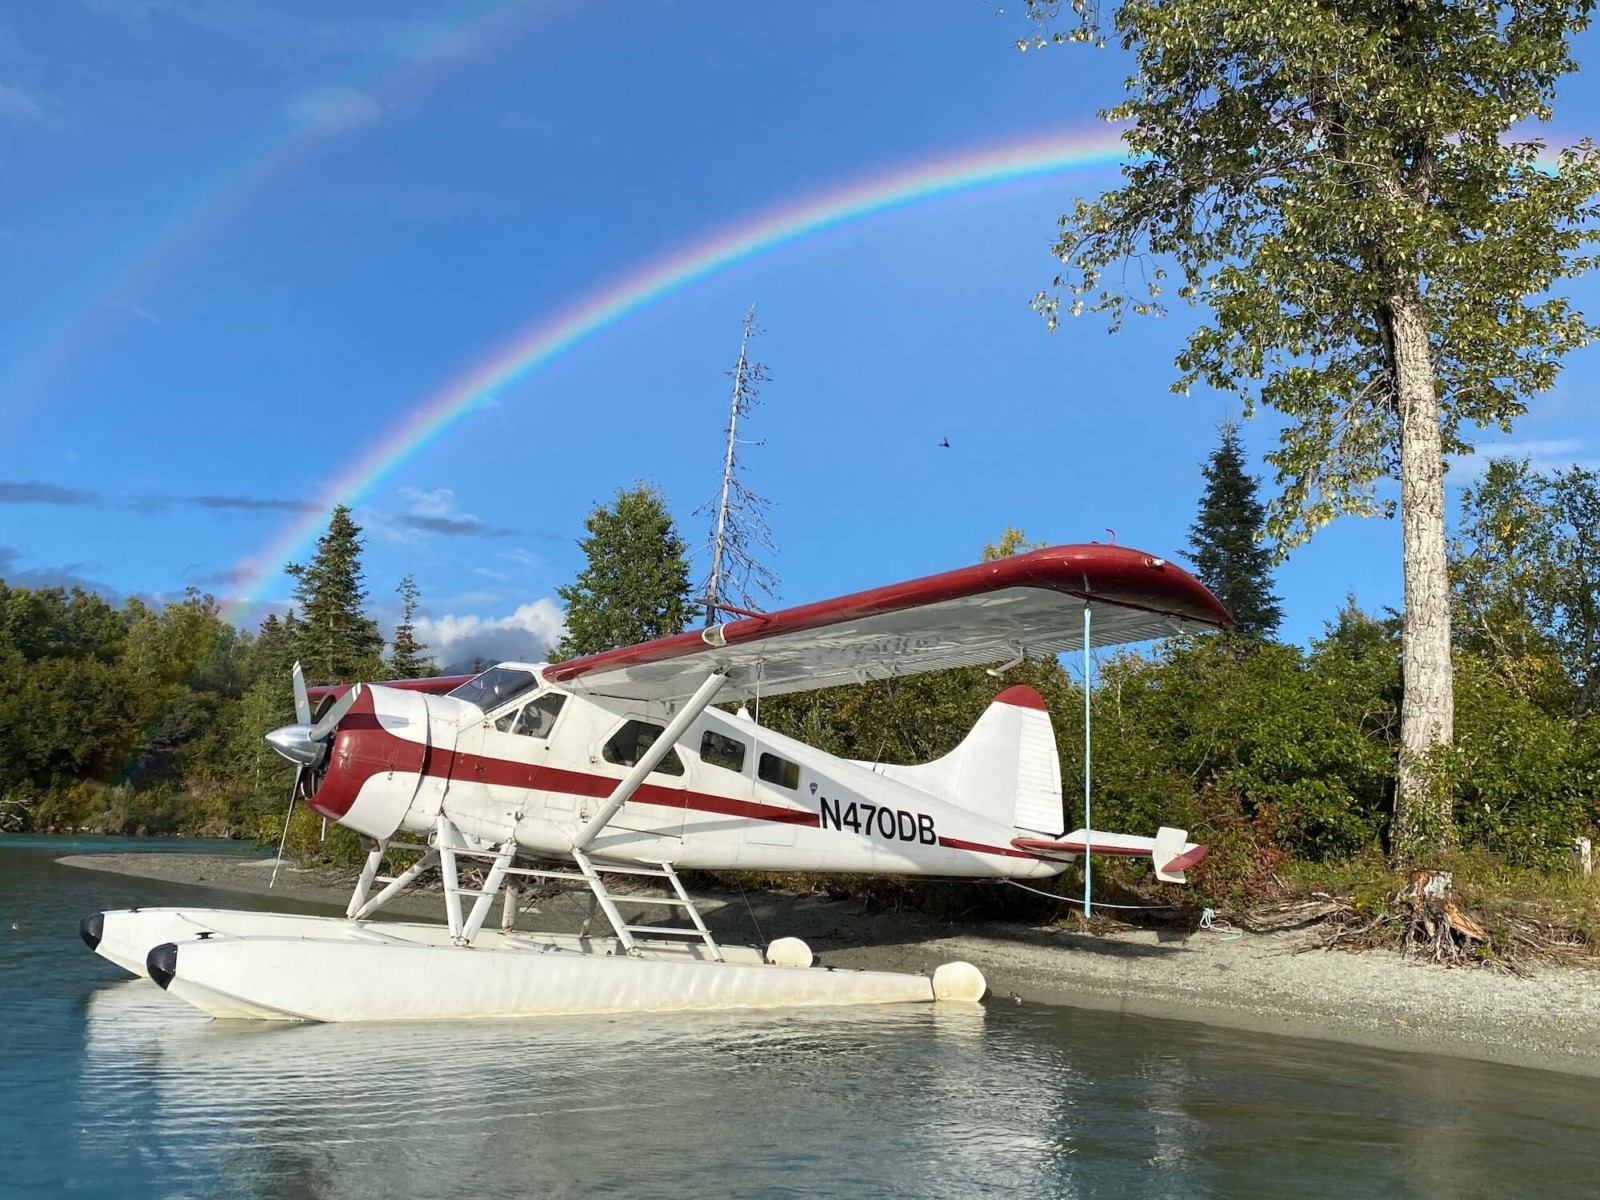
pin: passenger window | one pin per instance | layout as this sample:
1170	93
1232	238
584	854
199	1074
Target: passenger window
505	721
628	745
539	717
779	771
720	751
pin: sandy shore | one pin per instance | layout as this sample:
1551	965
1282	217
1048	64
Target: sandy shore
1256	982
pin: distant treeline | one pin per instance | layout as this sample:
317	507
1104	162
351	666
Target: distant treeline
139	719
148	720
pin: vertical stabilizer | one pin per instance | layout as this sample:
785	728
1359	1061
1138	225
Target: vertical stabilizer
1006	769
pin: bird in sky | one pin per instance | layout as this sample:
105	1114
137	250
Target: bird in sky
945	444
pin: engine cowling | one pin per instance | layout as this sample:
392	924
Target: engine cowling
376	762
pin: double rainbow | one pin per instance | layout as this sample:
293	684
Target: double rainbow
904	187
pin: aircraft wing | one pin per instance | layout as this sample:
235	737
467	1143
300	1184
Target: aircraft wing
1029	604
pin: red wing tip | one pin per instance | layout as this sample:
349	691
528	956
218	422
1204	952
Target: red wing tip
1187	859
1022	696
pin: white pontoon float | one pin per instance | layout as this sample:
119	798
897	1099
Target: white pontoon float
279	966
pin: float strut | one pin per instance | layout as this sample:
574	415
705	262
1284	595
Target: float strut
398	884
369	872
491	886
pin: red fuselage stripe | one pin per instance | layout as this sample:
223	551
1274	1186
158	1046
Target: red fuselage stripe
497	772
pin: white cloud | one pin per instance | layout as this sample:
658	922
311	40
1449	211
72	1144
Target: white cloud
334	110
1550	454
440	502
525	635
19	108
523	558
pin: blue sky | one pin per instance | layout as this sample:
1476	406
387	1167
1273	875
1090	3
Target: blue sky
242	238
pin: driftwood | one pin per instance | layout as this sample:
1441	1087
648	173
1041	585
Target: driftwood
1423	918
1293	914
13	815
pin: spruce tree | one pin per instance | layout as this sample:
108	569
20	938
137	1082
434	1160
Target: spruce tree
271	660
1225	540
635	586
406	657
335	640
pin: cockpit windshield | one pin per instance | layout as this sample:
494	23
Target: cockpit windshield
494	687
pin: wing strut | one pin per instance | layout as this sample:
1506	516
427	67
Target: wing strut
626	786
1087	824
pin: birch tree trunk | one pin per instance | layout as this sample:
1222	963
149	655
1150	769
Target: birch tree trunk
1422	817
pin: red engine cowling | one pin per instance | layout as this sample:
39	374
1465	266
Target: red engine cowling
376	762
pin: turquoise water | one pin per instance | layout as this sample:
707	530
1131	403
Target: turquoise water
108	1087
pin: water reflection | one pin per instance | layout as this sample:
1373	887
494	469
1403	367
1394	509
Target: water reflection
109	1087
578	1104
917	1100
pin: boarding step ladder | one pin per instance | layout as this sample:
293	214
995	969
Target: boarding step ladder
588	876
449	846
679	899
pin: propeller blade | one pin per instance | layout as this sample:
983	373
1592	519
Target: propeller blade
294	794
323	729
302	702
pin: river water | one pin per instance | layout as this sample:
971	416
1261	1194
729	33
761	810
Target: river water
109	1087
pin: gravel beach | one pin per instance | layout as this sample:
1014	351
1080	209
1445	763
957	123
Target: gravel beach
1255	982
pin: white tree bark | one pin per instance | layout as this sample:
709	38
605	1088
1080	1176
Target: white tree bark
1422	823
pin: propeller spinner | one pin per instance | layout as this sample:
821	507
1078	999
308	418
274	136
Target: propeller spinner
306	744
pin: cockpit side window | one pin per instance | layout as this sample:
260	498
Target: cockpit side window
494	687
539	715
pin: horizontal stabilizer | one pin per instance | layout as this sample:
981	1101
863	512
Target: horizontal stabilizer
1169	851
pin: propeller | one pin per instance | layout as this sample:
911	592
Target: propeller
305	743
323	729
302	701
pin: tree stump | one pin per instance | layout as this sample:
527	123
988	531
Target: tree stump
1436	925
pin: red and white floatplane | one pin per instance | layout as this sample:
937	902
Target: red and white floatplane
573	775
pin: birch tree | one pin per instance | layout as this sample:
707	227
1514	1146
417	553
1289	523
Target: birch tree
1350	191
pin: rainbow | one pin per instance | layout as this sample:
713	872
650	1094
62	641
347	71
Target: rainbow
482	26
904	187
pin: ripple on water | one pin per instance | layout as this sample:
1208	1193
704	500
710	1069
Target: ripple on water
113	1088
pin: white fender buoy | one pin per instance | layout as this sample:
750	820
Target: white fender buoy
959	981
790	952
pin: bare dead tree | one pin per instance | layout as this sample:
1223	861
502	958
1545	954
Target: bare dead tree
739	528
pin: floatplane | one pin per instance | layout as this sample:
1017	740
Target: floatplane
529	778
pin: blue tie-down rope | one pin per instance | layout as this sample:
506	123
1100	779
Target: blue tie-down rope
1208	918
1208	922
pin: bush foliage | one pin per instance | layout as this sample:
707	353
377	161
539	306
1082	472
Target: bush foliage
146	720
